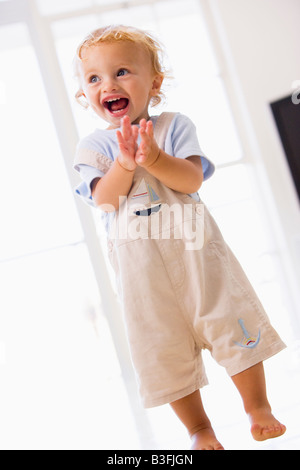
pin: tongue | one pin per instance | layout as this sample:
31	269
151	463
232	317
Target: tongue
120	104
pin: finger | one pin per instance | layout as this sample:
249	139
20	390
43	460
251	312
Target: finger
149	129
126	127
135	132
119	138
122	143
143	130
143	125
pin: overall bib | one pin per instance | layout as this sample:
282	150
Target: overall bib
182	290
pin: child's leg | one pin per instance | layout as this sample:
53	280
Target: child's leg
191	412
252	387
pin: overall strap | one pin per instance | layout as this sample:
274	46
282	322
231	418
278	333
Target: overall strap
161	128
92	158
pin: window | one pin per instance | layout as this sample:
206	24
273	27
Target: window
53	334
40	210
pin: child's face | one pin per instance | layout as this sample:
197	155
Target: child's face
117	80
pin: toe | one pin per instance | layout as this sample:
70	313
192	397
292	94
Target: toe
262	433
256	431
219	447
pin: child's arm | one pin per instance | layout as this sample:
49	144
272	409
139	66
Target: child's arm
118	180
116	183
183	175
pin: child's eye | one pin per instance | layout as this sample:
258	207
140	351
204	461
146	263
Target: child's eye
94	79
122	72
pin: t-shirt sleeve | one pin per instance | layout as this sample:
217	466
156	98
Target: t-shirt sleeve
88	174
182	142
91	161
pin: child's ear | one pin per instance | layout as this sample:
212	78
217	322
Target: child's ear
156	84
81	99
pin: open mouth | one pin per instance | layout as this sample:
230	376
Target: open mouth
117	105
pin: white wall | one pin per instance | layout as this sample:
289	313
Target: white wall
258	46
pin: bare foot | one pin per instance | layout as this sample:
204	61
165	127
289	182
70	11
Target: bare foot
264	426
205	439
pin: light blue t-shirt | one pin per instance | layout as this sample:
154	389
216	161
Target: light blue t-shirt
181	142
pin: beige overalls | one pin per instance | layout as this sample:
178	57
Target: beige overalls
181	288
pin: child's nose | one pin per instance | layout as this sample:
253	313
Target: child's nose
109	85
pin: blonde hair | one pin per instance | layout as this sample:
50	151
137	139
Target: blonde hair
117	33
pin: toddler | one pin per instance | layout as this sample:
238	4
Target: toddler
181	288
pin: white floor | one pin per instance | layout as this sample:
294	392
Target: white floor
77	400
